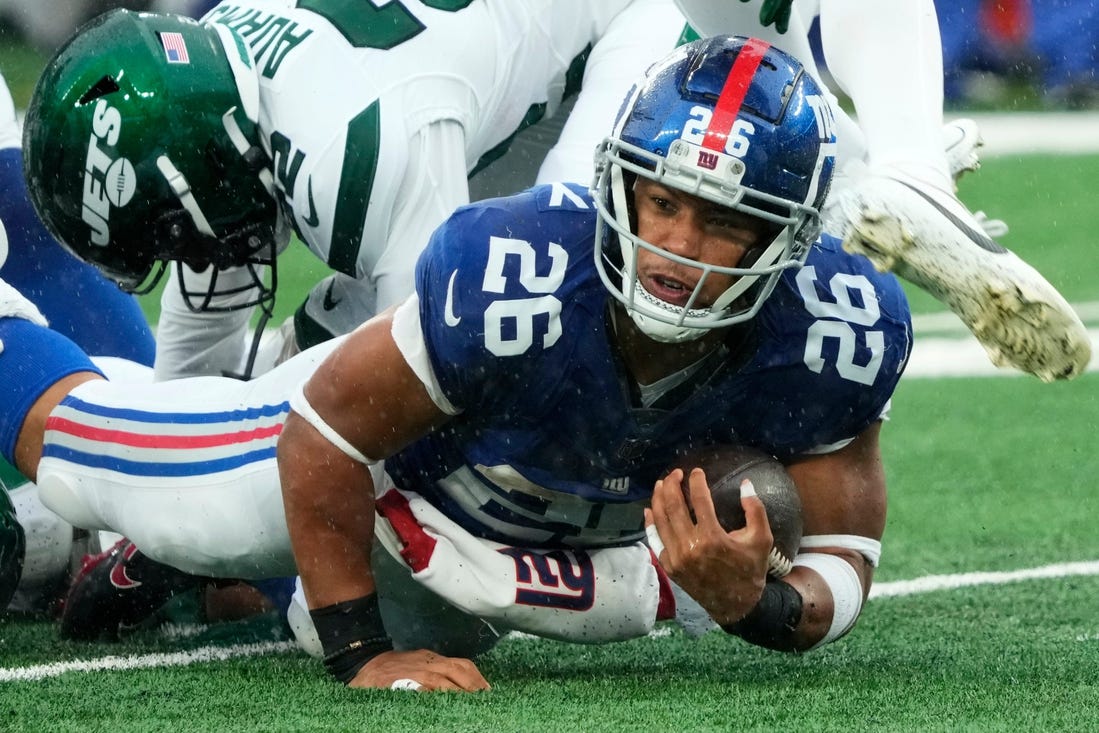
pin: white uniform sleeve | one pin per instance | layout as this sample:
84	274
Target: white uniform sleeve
432	185
643	33
422	191
190	344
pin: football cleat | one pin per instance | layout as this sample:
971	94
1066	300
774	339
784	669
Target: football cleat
961	141
118	588
928	237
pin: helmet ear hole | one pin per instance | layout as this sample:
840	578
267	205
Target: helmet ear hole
256	159
103	87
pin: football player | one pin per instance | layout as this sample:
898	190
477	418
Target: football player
900	209
894	189
486	455
355	128
354	125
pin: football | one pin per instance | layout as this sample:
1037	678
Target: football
726	466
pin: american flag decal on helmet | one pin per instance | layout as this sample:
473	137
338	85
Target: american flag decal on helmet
175	48
733	92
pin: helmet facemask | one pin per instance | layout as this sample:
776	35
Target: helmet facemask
795	227
737	123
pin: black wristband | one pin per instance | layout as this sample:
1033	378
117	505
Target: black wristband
351	634
772	622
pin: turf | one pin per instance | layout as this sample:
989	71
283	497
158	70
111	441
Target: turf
991	474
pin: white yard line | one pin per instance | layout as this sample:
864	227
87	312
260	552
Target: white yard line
894	589
146	661
930	583
962	356
1036	132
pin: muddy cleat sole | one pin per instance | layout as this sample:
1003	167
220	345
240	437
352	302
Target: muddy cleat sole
930	239
118	588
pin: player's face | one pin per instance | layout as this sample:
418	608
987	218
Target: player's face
690	227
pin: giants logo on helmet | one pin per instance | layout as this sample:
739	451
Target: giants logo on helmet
107	181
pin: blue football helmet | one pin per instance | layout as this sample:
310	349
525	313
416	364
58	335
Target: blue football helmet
734	121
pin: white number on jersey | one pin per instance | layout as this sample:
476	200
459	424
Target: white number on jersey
520	313
834	321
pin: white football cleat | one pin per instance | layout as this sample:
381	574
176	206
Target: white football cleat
961	141
928	237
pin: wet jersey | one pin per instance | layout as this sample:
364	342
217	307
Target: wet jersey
374	114
343	87
553	442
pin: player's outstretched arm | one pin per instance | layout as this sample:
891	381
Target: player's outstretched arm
362	404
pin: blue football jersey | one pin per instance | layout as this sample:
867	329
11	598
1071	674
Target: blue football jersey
553	444
74	297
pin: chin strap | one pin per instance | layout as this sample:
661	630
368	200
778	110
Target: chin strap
252	154
182	189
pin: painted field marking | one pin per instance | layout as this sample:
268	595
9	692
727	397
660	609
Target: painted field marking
892	589
146	661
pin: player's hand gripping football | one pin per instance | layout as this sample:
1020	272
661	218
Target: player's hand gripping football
724	571
421	671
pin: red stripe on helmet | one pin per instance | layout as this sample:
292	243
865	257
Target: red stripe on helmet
733	93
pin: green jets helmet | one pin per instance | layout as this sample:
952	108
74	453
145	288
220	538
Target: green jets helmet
141	148
12	540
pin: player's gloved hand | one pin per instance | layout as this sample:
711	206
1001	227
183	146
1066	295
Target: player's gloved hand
420	671
724	571
775	11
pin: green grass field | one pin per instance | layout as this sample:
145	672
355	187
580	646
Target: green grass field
987	475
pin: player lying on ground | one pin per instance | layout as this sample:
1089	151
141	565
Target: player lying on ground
902	137
357	129
526	399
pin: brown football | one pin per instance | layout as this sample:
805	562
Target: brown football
726	466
